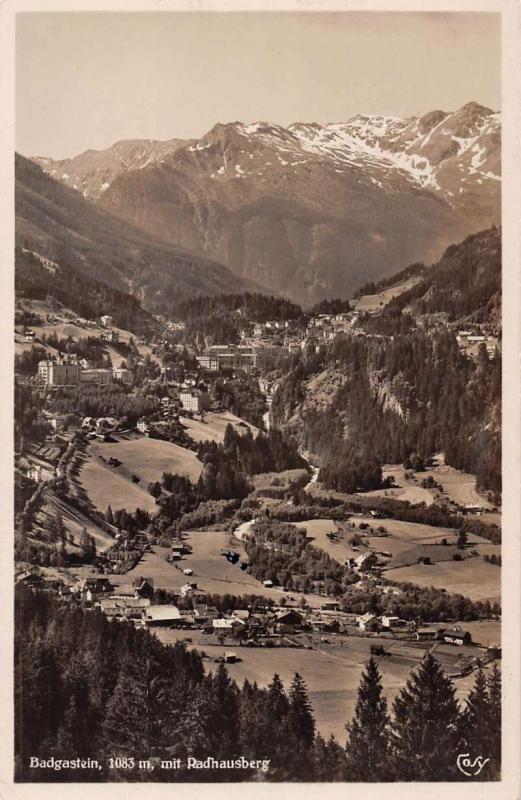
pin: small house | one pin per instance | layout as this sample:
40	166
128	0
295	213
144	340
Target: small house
144	587
230	658
367	622
331	605
456	636
161	615
426	634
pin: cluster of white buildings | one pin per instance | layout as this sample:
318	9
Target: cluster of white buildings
72	372
469	339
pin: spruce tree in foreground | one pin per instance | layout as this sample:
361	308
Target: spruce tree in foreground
300	711
481	726
368	733
475	722
299	732
426	737
494	740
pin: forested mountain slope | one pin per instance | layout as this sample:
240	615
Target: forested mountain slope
402	387
310	211
58	223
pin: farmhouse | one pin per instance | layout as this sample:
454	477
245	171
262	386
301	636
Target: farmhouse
161	615
129	607
367	622
34	473
187	589
393	622
426	634
110	336
330	605
287	620
203	613
364	562
144	587
457	636
92	589
228	624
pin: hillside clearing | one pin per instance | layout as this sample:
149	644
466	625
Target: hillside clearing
473	577
213	425
149	458
104	487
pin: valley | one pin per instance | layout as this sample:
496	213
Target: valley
271	476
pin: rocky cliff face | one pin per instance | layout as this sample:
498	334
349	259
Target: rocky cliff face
310	211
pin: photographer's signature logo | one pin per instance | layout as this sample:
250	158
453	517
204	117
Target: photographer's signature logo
470	767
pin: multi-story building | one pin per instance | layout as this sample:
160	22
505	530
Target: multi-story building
124	375
209	363
195	400
99	376
59	373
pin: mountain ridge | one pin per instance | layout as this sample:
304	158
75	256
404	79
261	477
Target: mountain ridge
61	225
312	211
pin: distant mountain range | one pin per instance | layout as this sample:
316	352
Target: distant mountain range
58	223
309	211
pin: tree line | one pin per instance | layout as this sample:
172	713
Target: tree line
89	687
415	393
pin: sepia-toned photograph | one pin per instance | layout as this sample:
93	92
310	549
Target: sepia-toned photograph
258	397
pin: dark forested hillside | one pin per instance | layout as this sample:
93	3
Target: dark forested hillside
415	393
213	320
111	697
58	223
404	386
254	306
465	283
88	297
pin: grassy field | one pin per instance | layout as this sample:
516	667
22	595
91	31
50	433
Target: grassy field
458	486
213	426
409	531
472	577
149	458
105	487
339	549
372	302
332	670
409	493
212	572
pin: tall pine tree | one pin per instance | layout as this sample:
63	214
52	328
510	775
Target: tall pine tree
426	727
368	734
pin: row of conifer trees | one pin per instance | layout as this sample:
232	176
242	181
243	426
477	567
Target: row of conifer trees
89	687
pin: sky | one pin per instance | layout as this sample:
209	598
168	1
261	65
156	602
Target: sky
87	80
